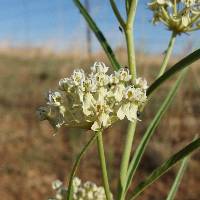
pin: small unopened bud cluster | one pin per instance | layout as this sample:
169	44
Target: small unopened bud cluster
81	191
180	16
94	100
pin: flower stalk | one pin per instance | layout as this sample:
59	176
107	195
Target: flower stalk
125	158
129	34
130	38
103	165
167	54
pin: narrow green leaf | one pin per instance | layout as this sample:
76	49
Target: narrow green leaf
127	2
117	14
165	167
78	159
99	35
177	181
188	60
150	130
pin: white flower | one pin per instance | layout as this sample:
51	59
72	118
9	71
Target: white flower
102	121
99	67
141	83
128	110
78	76
65	84
88	104
76	182
185	20
90	195
81	191
123	74
161	2
113	79
54	98
95	100
56	184
130	93
118	92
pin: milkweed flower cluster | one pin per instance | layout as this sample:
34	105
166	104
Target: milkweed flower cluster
81	190
94	100
180	16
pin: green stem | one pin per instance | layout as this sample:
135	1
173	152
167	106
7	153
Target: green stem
131	52
127	5
130	38
103	165
126	158
131	11
175	7
75	166
167	55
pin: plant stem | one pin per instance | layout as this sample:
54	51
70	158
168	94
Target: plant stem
126	158
131	52
167	54
131	11
175	7
130	38
75	166
103	165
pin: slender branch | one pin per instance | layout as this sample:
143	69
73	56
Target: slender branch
194	29
129	38
127	5
126	158
165	14
175	7
131	52
167	54
103	165
131	6
117	13
132	12
75	166
196	17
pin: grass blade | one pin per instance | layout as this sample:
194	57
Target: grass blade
150	130
78	159
166	166
188	60
99	35
178	179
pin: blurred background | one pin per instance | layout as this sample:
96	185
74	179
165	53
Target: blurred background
43	41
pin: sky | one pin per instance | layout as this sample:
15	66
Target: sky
58	24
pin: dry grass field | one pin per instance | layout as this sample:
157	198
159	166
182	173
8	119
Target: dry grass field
31	157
